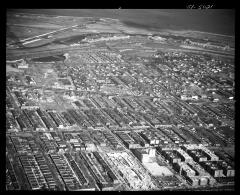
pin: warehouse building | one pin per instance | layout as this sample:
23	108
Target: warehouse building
144	155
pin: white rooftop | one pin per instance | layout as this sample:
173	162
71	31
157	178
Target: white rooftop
156	170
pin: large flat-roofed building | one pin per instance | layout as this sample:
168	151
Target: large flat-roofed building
144	155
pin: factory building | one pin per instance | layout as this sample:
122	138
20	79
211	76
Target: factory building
144	155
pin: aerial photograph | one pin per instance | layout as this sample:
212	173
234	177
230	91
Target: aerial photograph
120	100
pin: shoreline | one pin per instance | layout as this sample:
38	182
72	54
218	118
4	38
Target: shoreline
123	22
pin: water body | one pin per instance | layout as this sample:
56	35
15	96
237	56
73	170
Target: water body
213	20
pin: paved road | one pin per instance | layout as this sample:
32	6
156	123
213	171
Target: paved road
49	33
